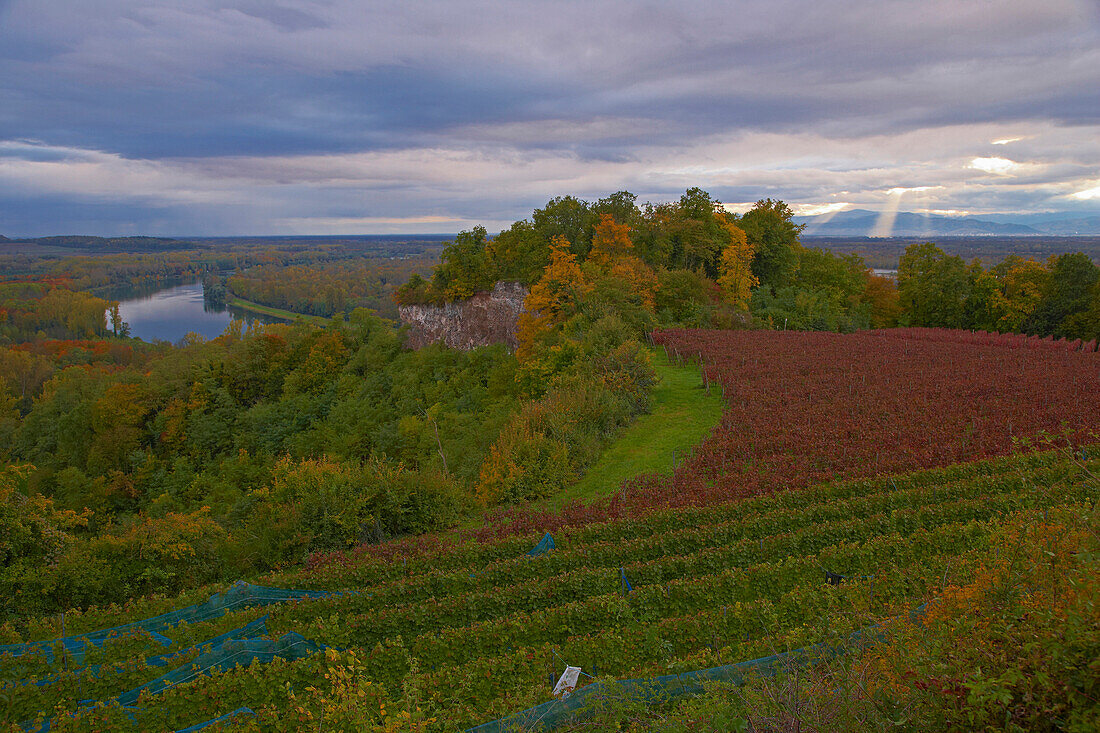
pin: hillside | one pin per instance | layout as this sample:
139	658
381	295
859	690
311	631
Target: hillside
450	631
690	447
480	630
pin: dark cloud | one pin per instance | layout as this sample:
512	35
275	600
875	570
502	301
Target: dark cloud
604	94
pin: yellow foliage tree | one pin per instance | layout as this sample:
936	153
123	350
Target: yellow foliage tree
642	279
1022	283
553	299
882	295
735	268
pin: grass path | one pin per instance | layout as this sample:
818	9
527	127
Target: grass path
683	414
248	305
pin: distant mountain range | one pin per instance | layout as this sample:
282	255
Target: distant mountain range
863	223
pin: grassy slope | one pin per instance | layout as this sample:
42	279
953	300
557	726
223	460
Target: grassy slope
683	414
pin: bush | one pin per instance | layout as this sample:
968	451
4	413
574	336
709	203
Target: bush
325	504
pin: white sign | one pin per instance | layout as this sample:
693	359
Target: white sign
568	682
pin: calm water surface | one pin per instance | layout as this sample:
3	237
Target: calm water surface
173	312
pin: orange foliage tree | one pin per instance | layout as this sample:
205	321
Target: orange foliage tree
553	299
881	293
613	252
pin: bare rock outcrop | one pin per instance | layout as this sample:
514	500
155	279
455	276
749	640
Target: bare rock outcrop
486	318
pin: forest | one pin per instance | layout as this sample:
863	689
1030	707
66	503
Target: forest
135	472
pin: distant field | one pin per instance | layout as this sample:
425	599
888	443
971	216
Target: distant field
886	251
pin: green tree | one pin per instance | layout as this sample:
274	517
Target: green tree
519	253
567	217
621	206
1067	293
682	296
932	287
464	267
773	236
980	307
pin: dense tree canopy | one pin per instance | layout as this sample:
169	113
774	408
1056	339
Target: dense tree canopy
1057	298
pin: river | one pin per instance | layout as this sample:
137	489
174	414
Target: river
170	313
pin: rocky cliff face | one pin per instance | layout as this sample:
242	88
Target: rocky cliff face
486	318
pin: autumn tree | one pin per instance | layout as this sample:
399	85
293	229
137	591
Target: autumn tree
881	296
613	253
1022	282
553	299
736	278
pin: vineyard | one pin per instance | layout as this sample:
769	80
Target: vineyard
809	407
479	632
899	447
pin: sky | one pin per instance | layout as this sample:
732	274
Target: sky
223	117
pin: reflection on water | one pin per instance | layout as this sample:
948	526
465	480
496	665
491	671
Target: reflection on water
171	313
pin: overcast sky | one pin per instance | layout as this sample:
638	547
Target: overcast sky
192	117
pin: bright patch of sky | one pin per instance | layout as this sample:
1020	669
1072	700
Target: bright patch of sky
1003	166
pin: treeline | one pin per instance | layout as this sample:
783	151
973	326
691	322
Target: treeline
327	288
698	264
1059	297
107	272
884	252
103	244
31	310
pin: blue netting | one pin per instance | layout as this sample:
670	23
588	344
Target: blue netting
627	587
239	595
590	698
251	630
241	646
219	719
223	657
545	545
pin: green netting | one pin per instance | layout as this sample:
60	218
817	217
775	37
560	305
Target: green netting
239	595
591	698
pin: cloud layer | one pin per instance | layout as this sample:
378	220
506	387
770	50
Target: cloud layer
253	116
